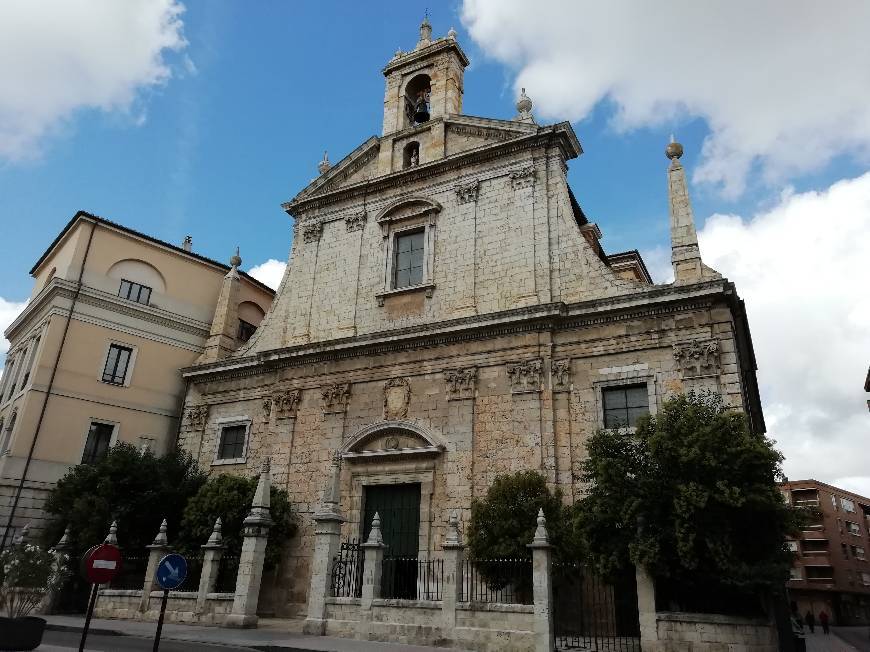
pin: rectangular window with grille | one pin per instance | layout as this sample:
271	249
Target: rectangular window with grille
408	259
97	444
853	528
232	443
624	405
134	292
115	371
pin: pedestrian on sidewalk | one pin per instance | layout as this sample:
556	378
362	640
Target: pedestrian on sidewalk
810	620
823	620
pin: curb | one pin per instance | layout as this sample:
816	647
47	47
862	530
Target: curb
49	627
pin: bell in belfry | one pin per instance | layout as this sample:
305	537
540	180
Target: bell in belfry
421	108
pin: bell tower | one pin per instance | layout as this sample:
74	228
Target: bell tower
425	83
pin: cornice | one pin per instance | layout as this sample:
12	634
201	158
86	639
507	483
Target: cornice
657	301
412	57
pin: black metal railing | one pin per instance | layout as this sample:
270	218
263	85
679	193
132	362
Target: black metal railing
347	570
132	574
503	581
410	578
194	571
228	570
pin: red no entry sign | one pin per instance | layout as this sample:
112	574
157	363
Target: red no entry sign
101	563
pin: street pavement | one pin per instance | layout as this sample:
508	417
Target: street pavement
55	641
858	637
819	642
271	635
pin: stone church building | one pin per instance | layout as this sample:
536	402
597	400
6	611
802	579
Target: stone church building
448	314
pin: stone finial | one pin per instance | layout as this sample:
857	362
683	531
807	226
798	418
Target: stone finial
112	536
674	150
332	489
261	496
258	518
64	543
161	539
541	535
236	260
23	536
216	537
187	245
425	32
324	166
453	537
375	535
524	107
451	34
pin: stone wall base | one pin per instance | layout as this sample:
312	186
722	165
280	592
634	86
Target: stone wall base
180	608
689	632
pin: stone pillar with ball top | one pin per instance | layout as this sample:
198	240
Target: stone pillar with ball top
212	552
542	586
256	533
156	551
60	552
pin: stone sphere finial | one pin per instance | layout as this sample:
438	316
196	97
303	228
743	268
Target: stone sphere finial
674	149
451	34
235	259
324	165
524	104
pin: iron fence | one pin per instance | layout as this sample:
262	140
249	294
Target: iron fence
503	581
228	570
347	570
132	573
194	571
410	578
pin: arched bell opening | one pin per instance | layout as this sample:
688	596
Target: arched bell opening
411	155
417	94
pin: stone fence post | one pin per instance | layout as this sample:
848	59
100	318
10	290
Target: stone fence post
60	552
373	565
213	551
542	587
454	553
256	533
646	609
156	551
327	533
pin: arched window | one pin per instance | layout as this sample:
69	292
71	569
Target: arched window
137	280
250	316
411	154
417	92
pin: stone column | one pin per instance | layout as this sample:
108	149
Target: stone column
212	551
256	533
327	534
542	587
60	552
646	609
156	551
451	592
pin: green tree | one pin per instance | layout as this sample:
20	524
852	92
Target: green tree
691	495
137	489
229	497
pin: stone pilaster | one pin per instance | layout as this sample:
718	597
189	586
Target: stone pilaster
256	533
212	551
542	587
156	551
327	536
453	554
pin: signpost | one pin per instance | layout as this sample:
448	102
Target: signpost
99	566
170	574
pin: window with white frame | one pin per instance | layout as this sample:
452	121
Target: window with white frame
232	442
792	546
834	501
408	229
98	441
117	364
134	291
858	552
31	360
794	573
853	528
624	405
847	505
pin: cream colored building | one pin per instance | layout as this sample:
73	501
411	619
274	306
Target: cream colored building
95	355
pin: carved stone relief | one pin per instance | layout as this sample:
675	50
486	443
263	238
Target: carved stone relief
197	417
397	395
312	231
561	375
267	407
697	358
335	397
523	178
525	376
466	193
356	222
286	403
460	383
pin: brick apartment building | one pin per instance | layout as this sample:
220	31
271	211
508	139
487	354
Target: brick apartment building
831	569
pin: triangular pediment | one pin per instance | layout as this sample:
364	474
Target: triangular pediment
359	165
465	132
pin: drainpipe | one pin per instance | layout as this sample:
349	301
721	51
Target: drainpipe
48	390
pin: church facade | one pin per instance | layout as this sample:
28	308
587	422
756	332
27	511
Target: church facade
447	315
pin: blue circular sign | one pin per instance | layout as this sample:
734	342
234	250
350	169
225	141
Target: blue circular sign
171	571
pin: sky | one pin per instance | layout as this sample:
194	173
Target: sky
201	118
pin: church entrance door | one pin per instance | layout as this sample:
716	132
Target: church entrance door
398	505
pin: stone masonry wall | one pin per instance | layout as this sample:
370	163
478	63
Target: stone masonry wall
686	632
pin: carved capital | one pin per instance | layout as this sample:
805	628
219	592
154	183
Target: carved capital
267	407
335	397
561	374
286	403
697	358
460	383
197	417
397	396
356	222
311	231
467	192
523	177
525	376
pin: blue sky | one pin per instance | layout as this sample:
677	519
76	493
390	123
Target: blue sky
208	134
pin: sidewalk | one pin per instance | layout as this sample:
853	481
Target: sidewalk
820	642
270	635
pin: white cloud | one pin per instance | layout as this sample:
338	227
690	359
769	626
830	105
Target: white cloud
271	272
9	310
783	83
801	268
60	56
